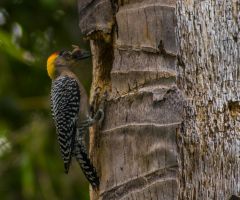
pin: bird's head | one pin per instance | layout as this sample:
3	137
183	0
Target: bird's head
64	59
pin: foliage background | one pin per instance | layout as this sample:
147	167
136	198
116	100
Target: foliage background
30	163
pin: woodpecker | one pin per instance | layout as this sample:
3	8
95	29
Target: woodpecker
70	111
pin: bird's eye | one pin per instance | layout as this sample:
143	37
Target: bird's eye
67	55
61	53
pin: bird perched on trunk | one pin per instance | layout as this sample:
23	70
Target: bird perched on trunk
70	110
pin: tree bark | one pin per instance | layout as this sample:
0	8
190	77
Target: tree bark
158	141
133	43
209	76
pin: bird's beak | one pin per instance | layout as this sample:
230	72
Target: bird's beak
80	55
85	54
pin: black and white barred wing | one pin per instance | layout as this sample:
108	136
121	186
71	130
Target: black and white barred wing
65	98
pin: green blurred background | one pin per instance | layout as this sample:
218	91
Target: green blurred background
30	162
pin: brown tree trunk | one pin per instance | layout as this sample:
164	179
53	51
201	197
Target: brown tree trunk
133	43
135	59
209	75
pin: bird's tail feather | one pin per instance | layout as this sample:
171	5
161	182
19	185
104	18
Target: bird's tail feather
83	160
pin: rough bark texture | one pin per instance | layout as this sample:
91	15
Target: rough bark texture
95	15
209	75
135	151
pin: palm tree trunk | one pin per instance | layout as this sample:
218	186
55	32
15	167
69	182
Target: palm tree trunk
134	50
158	141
